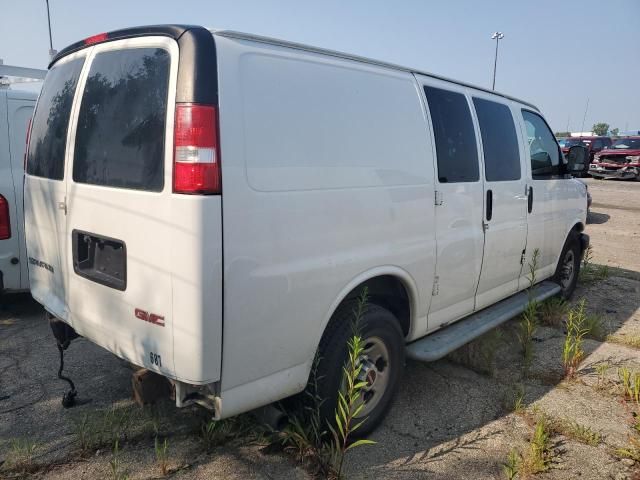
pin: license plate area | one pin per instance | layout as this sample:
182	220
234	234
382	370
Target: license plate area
100	259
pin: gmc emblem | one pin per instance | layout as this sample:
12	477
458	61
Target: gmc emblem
149	317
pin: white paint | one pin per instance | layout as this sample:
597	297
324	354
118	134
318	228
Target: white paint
328	170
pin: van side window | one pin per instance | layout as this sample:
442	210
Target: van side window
121	123
499	141
51	121
543	148
454	136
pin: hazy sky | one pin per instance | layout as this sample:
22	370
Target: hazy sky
555	54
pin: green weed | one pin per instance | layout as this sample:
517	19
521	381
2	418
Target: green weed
20	457
529	318
591	272
628	340
572	351
162	455
594	326
552	312
538	455
601	370
624	375
115	464
306	436
578	432
512	466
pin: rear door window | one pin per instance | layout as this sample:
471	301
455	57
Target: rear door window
454	136
121	123
51	121
499	141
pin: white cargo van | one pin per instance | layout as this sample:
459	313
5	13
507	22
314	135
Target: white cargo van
208	205
16	108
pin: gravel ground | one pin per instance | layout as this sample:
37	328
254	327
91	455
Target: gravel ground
449	420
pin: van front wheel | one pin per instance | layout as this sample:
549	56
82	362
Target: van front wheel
568	267
381	361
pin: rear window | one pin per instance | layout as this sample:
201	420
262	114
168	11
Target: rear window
51	121
121	123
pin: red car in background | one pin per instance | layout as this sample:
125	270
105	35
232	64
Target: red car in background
593	144
621	160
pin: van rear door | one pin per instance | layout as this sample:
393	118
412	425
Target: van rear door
119	208
44	204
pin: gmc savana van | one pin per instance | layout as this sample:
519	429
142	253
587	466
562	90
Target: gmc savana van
209	205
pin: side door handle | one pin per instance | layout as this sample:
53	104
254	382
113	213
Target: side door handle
489	205
530	200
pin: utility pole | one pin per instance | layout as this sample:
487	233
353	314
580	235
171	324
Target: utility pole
52	52
585	116
497	36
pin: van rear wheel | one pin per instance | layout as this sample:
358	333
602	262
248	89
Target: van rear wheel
568	267
382	361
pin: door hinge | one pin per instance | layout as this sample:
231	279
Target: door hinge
523	256
439	200
63	205
435	290
485	226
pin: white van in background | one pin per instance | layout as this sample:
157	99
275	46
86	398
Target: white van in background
209	205
16	108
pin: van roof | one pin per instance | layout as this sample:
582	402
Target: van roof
348	56
176	32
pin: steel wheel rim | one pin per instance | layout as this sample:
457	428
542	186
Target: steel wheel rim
374	363
568	269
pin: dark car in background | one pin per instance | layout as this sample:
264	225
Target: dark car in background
621	160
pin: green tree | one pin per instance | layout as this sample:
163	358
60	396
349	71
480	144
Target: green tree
615	131
600	128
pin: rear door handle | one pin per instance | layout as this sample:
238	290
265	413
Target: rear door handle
530	200
489	205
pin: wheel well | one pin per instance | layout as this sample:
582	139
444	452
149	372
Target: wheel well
578	227
388	292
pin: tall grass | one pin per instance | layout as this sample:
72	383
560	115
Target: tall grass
572	350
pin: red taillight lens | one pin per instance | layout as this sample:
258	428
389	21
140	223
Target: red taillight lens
26	147
196	167
5	221
101	37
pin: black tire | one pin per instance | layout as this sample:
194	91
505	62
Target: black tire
569	266
376	325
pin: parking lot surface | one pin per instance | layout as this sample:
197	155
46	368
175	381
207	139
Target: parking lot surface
451	419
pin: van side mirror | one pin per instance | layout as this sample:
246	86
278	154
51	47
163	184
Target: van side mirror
577	157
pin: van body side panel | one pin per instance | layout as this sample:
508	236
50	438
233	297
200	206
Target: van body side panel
196	287
19	111
458	226
327	173
506	233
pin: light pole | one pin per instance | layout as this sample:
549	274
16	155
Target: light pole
52	52
497	36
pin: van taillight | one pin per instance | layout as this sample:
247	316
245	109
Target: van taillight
5	221
196	160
